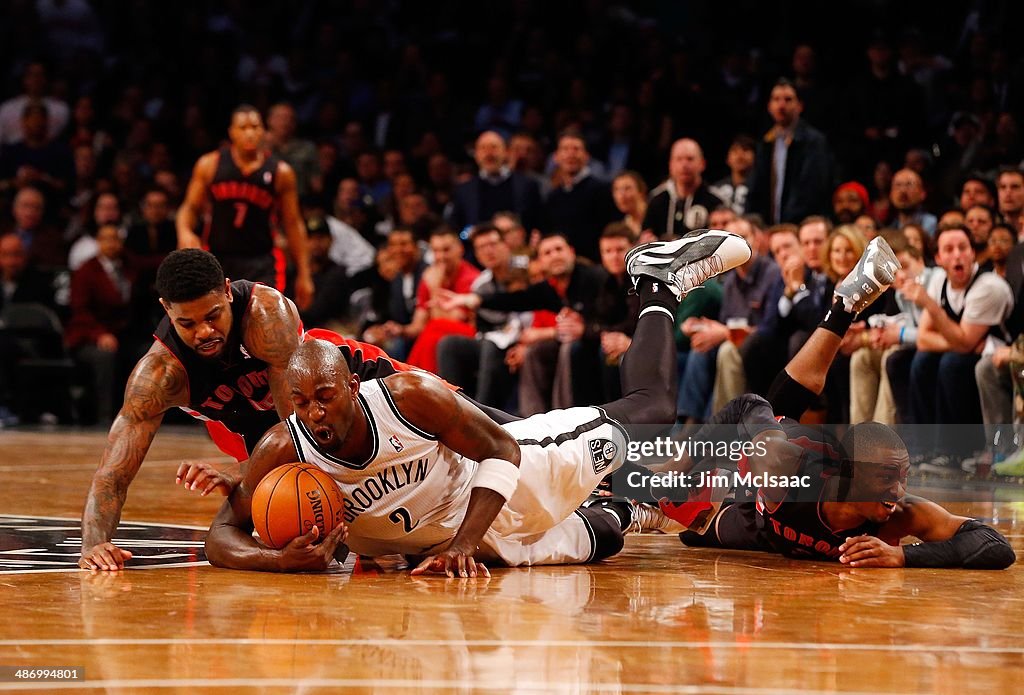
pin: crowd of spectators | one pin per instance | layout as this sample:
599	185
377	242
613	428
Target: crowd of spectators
471	177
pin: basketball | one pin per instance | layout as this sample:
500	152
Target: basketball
291	499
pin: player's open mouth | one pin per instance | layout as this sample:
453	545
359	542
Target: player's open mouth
891	506
324	434
210	346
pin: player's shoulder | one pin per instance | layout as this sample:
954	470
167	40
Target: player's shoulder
159	381
269	304
418	394
208	162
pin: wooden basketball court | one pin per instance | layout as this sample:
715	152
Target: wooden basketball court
657	618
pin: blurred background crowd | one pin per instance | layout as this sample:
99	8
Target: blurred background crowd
517	150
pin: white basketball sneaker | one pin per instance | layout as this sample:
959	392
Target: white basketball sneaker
649	519
872	275
687	263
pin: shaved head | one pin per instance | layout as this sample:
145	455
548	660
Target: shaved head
318	358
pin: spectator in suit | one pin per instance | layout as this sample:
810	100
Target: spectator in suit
38	160
620	150
580	205
43	243
101	332
149	241
792	176
494	188
20	282
683	202
34	84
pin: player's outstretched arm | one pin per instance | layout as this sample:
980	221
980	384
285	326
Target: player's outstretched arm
432	407
157	383
948	540
295	231
230	543
187	218
271	333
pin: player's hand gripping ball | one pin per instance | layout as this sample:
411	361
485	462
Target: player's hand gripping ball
293	498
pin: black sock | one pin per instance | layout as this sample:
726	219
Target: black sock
654	292
838	319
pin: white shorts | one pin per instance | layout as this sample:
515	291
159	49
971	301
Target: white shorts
565	454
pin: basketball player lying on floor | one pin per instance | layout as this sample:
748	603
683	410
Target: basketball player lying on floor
219	354
426	474
855	509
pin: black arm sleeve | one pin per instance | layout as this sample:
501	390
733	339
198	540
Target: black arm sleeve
973	546
751	412
537	296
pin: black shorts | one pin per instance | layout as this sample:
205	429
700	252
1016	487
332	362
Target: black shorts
734	528
268	269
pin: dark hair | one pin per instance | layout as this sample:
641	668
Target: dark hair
443	230
619	230
980	178
482	229
867	438
641	185
188	274
552	234
786	82
744	141
574	133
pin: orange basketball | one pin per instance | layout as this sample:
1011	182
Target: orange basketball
291	499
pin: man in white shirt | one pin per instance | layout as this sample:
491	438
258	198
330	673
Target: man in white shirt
963	316
34	82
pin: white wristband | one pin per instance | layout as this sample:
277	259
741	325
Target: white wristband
499	475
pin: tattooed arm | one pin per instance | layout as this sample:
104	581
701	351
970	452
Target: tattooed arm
271	333
157	383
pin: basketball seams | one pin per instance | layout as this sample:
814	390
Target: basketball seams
270	497
275	513
298	502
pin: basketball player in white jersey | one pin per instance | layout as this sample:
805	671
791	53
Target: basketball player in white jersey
426	474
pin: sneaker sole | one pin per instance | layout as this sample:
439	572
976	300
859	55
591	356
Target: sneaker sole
663	258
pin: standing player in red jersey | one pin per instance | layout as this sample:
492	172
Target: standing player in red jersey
248	188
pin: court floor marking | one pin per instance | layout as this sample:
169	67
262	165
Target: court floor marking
539	686
620	644
91	465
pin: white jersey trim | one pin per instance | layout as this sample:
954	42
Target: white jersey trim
371	424
401	418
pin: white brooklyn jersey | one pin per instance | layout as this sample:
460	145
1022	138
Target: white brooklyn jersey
410	494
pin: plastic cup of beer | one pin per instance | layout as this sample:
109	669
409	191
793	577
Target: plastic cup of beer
739	329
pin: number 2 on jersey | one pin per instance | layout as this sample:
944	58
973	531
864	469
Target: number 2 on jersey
403	517
240	210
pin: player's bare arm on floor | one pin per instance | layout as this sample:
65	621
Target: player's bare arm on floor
157	383
230	542
461	427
